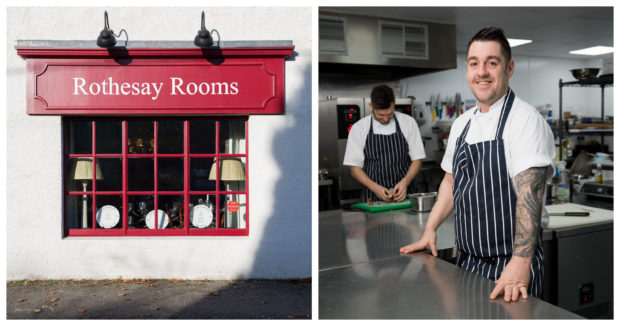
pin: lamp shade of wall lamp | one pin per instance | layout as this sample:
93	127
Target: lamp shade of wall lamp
203	39
106	38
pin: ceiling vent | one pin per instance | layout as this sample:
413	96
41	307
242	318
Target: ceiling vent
332	36
400	40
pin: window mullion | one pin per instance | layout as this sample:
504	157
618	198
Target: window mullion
94	174
155	176
186	176
217	175
125	178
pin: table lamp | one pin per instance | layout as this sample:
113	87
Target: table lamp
231	170
84	172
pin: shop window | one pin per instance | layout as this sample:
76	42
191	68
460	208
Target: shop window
155	177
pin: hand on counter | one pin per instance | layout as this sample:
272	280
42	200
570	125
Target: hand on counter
514	280
428	239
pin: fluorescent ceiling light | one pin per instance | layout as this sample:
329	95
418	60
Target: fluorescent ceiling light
516	42
596	50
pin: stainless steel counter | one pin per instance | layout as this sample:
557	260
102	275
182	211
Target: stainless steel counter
351	237
363	276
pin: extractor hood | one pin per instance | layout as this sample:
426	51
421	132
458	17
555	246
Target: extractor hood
350	44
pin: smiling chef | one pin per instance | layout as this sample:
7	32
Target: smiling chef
498	159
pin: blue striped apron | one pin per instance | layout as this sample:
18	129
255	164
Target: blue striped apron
386	160
485	202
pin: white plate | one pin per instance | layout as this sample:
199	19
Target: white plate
162	219
108	216
201	216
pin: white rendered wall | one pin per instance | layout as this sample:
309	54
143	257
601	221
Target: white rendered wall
279	243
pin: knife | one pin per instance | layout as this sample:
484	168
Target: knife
570	214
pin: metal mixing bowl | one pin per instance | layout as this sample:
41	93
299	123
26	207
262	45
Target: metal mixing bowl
422	202
585	74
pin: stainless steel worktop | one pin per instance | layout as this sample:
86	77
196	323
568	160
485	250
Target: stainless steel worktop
363	276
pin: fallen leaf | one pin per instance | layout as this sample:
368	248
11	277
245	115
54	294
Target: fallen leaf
291	317
122	294
213	294
128	299
123	289
37	310
263	302
81	310
20	300
155	308
53	299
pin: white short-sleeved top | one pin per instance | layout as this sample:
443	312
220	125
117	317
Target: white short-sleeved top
354	154
528	139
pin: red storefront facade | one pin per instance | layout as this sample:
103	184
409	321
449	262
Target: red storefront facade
155	139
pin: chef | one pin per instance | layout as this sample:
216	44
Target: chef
384	150
497	161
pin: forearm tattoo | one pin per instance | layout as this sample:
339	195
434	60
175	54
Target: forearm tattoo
531	187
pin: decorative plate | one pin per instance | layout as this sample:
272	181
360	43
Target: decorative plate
108	216
201	216
162	219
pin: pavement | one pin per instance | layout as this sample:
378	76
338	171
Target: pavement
159	299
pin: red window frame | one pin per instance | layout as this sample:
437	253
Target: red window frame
125	193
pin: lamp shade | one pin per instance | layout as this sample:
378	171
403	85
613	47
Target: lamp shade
84	169
231	170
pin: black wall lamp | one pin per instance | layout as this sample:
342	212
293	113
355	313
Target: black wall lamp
107	37
203	39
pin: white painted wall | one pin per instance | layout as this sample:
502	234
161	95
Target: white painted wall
279	244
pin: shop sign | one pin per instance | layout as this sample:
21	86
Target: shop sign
251	84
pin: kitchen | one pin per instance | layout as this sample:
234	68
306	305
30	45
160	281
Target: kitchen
358	250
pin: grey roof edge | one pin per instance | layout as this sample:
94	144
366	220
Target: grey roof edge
148	44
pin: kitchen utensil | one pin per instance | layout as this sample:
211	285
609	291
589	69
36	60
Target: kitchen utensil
585	74
570	214
422	202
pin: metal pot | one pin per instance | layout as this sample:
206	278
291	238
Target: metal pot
422	202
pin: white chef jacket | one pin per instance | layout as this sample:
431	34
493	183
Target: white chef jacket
528	139
354	154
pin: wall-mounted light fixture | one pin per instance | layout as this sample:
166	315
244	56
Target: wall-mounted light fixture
107	37
203	39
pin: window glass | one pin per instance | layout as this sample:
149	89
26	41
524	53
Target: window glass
202	137
232	173
140	137
80	174
140	174
157	151
109	137
170	170
172	205
232	136
111	174
170	137
79	211
202	211
202	174
234	212
80	135
138	207
109	213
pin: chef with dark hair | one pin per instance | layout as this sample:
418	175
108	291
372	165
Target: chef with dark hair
384	150
497	161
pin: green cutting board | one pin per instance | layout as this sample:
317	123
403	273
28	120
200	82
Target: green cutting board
383	206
